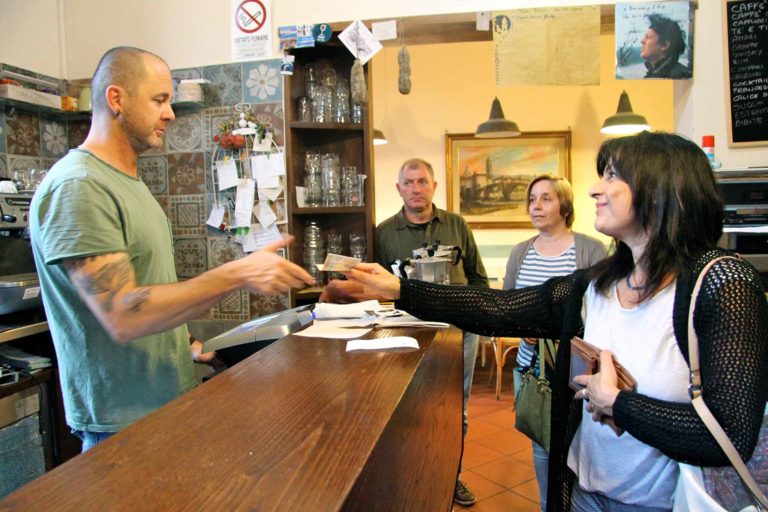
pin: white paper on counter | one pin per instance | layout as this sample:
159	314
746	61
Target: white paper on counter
227	172
244	198
325	310
383	343
216	218
318	330
483	21
265	214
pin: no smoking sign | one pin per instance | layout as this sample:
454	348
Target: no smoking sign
250	16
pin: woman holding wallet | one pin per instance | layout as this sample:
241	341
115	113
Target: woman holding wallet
658	199
555	251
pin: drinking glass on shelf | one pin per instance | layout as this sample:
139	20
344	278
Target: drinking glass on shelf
331	181
350	186
303	109
357	245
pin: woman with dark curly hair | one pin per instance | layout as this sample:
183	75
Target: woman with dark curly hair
658	199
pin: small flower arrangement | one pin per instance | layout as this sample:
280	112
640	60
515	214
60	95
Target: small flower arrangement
232	132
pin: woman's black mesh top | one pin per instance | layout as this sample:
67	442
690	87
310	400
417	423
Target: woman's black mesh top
731	320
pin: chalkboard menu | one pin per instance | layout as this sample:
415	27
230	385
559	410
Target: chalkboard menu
746	26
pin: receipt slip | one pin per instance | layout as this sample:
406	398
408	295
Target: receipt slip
383	343
337	263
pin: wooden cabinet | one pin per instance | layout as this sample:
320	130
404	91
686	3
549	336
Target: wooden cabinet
351	141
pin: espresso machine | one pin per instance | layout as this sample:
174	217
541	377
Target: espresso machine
19	284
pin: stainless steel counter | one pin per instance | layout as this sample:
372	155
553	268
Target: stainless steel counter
22	324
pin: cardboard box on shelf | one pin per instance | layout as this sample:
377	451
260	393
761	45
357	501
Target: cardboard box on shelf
14	92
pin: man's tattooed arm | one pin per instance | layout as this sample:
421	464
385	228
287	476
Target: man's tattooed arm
105	276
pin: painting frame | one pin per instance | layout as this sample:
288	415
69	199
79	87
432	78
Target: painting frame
521	158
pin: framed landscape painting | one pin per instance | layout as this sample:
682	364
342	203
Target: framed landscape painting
488	177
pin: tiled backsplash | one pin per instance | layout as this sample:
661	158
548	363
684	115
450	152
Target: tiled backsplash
179	175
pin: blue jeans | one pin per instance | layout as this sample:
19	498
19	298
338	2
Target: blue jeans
471	342
91	439
583	501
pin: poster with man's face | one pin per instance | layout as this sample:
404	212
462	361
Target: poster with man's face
654	40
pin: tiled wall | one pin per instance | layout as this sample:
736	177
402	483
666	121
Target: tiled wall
178	175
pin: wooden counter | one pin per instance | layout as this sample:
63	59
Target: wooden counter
300	425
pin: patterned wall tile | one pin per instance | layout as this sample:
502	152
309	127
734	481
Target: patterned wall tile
234	306
153	171
77	131
186	173
185	134
271	115
225	87
47	163
212	118
191	256
23	133
16	163
262	81
3	167
223	249
208	161
2	131
266	305
54	140
187	215
164	204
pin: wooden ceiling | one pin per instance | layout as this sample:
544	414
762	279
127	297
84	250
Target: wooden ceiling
454	28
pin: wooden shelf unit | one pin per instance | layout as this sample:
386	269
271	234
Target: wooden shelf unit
351	141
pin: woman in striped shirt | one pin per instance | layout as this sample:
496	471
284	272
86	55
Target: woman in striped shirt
555	251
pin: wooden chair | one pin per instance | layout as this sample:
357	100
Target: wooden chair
501	349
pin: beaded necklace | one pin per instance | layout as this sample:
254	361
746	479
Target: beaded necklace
634	288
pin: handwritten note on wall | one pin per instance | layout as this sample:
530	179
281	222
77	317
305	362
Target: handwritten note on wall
554	46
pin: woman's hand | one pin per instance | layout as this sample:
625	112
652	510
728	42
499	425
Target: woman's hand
601	390
376	280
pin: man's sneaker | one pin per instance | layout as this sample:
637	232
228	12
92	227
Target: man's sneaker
462	495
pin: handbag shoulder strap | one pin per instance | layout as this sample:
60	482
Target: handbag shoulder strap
698	400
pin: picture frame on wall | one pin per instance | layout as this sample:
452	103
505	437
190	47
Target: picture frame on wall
487	178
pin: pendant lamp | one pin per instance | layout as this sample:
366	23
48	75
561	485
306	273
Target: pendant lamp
497	125
624	121
378	138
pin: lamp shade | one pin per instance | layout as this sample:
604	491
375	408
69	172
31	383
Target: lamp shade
378	138
497	125
624	121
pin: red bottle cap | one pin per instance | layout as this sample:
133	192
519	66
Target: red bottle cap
708	141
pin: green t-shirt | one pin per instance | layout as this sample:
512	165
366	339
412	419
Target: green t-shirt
86	207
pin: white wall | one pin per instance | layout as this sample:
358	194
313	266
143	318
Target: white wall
29	35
